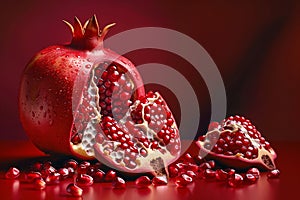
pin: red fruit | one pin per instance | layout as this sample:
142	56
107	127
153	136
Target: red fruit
78	99
39	184
183	180
110	176
74	190
119	183
83	180
235	180
238	144
65	87
12	173
273	173
143	181
159	180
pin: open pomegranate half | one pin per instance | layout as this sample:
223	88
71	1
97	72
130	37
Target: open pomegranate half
84	100
146	139
237	143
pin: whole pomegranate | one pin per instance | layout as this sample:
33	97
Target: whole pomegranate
237	143
84	100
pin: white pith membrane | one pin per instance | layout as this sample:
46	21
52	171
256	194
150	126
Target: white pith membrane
140	157
264	157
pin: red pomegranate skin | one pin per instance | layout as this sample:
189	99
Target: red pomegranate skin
47	96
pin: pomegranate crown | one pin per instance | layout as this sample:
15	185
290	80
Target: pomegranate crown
88	36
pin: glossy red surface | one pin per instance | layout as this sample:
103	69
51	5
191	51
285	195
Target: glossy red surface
21	153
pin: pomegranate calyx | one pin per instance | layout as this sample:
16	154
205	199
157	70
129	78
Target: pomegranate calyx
89	36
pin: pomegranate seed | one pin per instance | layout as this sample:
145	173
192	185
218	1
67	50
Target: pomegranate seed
64	173
143	181
71	163
221	175
74	190
86	163
47	165
183	180
39	184
82	169
37	166
159	180
204	166
98	176
71	172
84	180
191	174
52	178
192	167
31	176
235	180
230	172
254	171
250	178
46	171
209	174
12	173
173	171
273	173
180	166
211	163
119	183
188	158
110	176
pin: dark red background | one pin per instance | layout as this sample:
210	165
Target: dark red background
255	46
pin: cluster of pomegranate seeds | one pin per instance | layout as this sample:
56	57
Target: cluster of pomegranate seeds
182	173
251	129
113	81
186	171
